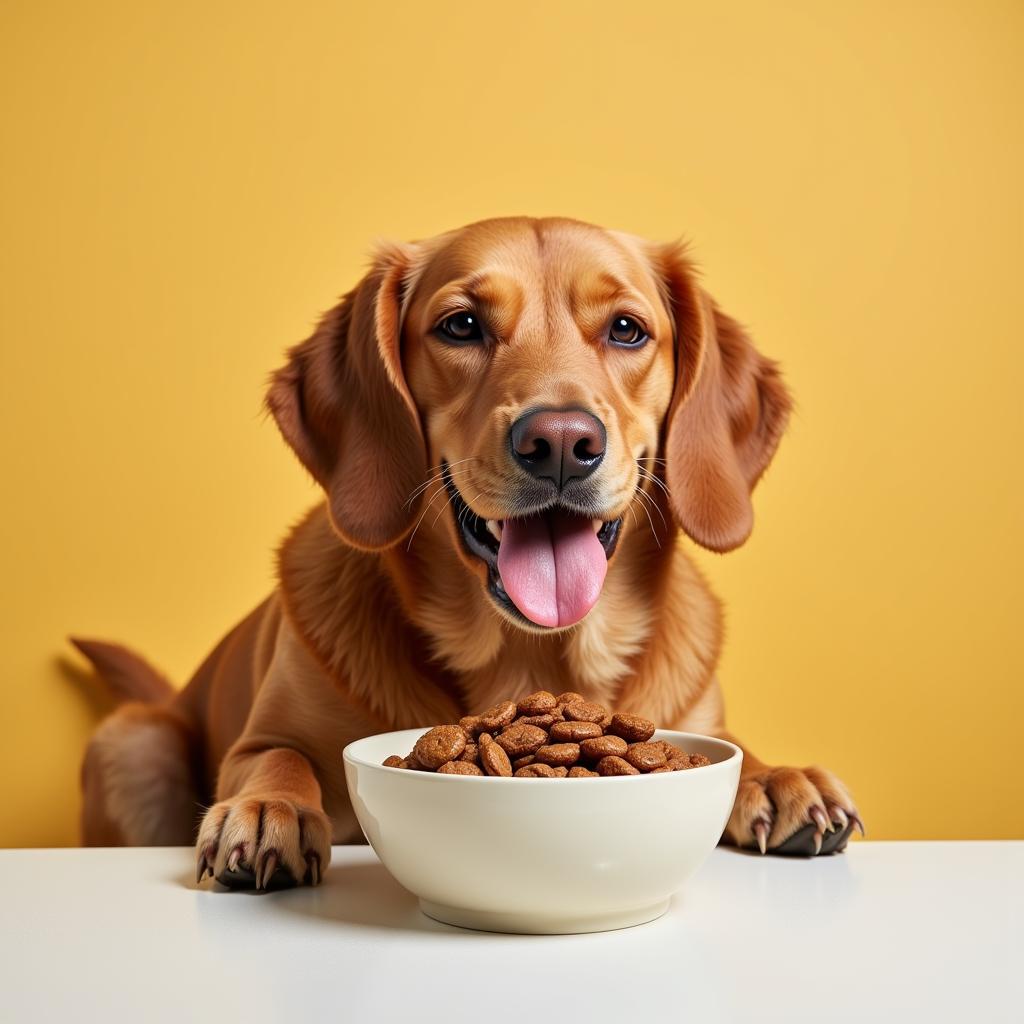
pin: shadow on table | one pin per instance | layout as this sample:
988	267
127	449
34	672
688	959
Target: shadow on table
360	895
353	895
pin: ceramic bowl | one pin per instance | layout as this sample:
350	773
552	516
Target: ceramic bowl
541	855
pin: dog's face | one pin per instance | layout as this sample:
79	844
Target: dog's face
555	377
541	360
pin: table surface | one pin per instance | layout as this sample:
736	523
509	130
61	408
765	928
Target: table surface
884	931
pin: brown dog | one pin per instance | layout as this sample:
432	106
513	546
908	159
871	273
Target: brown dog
512	423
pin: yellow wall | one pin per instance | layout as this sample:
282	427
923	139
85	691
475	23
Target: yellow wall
186	185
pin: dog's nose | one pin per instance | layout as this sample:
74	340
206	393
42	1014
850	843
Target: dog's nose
558	444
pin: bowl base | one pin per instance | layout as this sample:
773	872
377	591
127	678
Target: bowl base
536	924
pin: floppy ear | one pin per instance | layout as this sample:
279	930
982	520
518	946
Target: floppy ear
343	405
727	415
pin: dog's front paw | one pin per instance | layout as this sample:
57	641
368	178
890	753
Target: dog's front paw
248	843
802	811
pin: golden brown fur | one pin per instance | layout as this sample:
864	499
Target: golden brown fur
382	621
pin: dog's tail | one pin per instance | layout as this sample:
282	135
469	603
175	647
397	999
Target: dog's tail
129	675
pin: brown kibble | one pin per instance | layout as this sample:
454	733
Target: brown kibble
584	711
679	764
574	732
603	746
615	766
538	771
632	728
541	721
546	737
559	754
539	703
442	743
413	763
520	740
459	768
646	756
499	716
494	760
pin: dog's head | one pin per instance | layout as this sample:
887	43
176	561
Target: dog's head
542	377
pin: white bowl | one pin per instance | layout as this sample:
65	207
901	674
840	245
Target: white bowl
541	855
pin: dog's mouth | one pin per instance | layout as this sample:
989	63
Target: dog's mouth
547	567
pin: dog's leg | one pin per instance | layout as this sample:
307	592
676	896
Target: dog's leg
138	786
801	811
269	829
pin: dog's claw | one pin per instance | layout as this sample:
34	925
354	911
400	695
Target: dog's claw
269	867
838	815
204	863
817	843
820	818
761	834
313	868
266	868
858	824
236	856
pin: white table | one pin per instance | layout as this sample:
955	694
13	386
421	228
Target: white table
887	931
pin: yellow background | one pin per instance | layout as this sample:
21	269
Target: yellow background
185	186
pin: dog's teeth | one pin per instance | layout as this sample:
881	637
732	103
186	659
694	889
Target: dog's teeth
597	524
494	528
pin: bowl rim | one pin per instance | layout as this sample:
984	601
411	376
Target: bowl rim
735	755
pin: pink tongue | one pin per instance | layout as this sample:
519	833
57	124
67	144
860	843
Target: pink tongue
552	566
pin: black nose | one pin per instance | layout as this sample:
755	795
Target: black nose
558	444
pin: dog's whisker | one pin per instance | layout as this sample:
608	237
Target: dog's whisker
653	504
654	479
438	479
451	499
468	509
438	475
426	509
422	487
654	532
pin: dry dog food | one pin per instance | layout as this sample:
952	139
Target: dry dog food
546	737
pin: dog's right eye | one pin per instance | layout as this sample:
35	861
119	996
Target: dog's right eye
461	328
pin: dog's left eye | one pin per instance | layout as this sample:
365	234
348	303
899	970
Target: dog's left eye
462	328
627	332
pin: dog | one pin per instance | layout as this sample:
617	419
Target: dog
516	426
